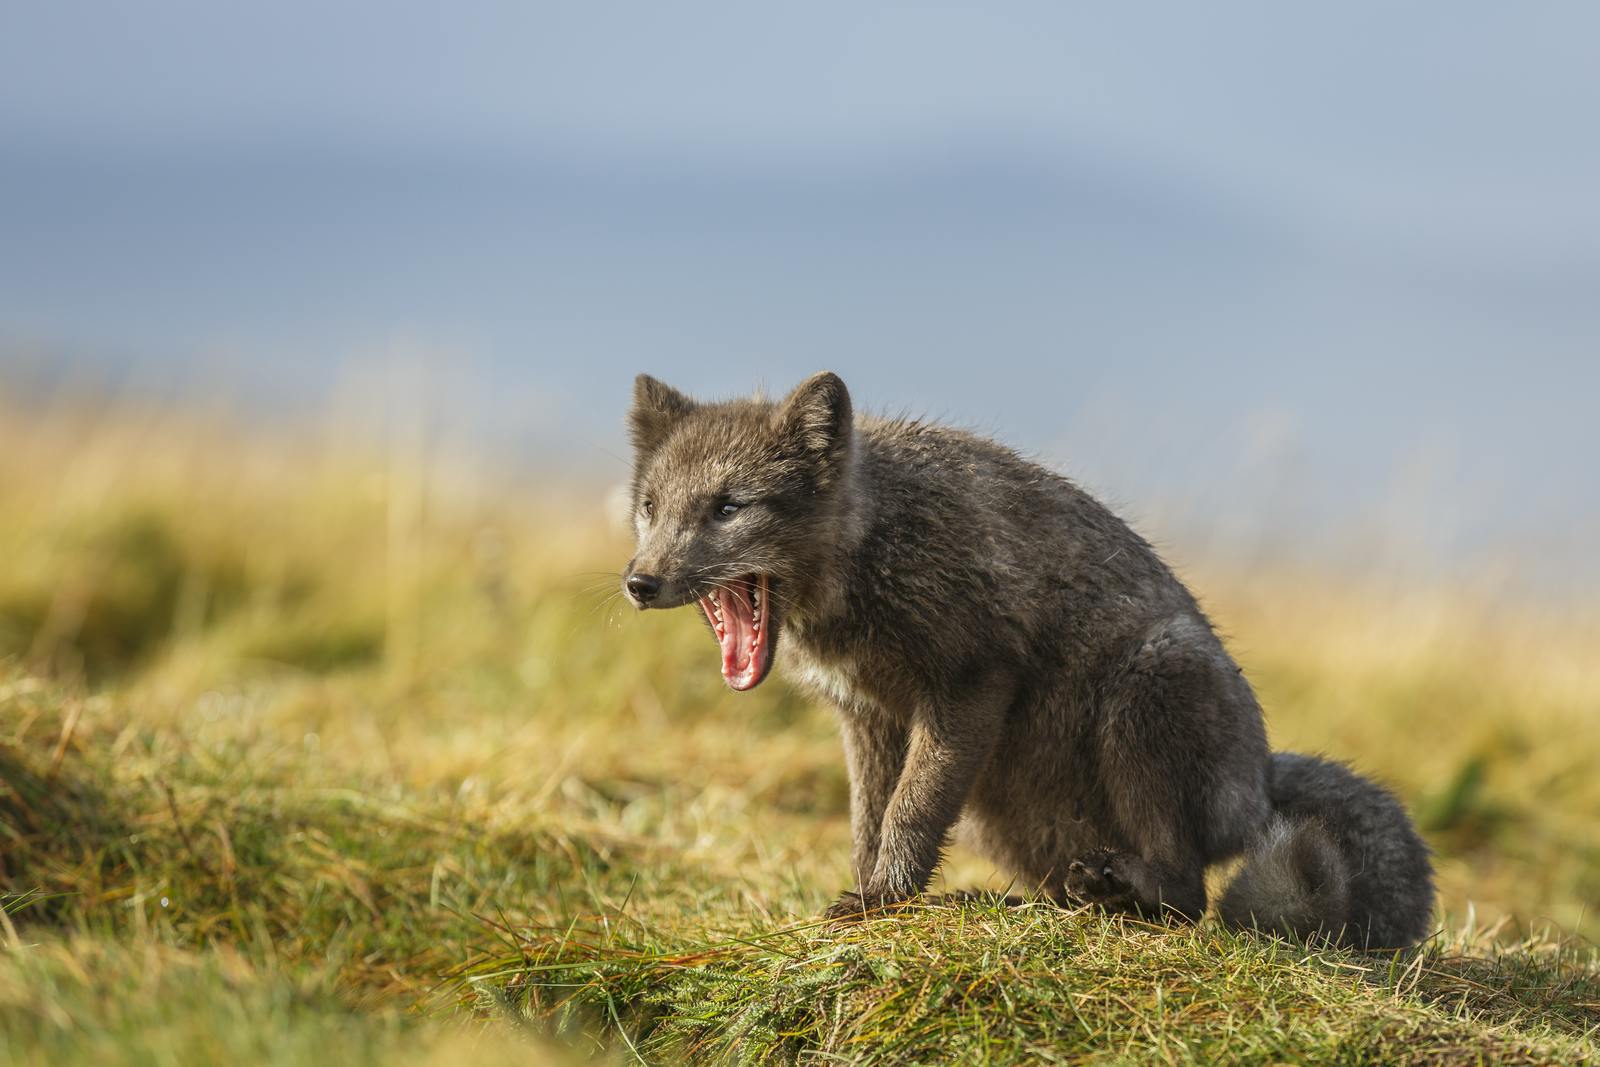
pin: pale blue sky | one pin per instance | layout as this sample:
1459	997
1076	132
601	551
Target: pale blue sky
1254	266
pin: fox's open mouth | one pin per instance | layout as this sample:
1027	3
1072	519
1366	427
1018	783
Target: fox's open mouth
743	617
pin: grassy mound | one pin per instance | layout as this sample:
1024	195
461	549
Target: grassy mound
986	983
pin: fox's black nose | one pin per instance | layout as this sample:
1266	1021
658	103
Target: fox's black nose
643	587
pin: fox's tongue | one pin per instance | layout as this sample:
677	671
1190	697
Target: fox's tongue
742	637
739	633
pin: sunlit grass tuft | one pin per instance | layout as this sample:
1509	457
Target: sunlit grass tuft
1031	984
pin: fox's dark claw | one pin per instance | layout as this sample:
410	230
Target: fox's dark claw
853	907
1097	878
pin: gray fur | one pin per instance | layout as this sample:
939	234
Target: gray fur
1340	860
1003	649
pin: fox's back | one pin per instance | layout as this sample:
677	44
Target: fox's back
974	555
1020	541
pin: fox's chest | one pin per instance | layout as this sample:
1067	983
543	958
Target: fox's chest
834	678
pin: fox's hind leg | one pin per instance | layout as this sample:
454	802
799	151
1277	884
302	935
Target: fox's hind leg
1181	759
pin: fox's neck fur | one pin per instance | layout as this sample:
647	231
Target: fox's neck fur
824	596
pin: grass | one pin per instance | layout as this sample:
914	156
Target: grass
984	983
310	751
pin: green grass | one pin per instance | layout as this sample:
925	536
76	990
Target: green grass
310	753
984	983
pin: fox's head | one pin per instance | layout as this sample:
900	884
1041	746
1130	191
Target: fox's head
735	505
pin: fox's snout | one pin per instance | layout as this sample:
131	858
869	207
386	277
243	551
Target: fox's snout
643	588
651	584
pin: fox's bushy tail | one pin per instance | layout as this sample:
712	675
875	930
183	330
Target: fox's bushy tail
1339	860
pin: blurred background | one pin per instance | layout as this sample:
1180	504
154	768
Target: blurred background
318	324
1323	284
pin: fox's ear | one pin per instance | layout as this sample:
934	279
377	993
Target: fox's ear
817	416
657	407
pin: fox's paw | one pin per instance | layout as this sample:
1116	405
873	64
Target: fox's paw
1100	877
854	907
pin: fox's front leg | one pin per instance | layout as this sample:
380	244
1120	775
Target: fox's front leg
875	756
945	748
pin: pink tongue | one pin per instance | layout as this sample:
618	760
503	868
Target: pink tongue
738	635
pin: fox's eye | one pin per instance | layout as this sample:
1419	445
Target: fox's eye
649	509
725	509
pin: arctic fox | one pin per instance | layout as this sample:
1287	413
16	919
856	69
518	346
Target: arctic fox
1001	648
